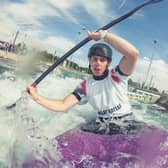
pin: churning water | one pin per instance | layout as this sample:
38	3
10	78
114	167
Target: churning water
29	126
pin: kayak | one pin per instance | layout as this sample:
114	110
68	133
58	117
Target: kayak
147	148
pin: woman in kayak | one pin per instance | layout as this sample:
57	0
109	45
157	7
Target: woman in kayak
106	90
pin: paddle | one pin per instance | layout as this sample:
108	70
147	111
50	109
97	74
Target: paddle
83	42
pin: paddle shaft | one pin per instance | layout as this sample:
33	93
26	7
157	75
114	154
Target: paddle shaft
87	39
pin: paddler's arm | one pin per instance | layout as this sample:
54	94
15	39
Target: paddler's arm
53	104
129	52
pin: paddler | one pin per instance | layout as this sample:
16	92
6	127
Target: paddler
106	90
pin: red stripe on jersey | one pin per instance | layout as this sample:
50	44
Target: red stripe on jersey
114	76
83	85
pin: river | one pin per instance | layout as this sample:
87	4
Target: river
28	126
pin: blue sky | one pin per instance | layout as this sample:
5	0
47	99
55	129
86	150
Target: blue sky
60	25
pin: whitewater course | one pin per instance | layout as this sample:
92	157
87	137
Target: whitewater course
33	137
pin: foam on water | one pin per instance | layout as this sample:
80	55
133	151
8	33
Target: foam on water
32	127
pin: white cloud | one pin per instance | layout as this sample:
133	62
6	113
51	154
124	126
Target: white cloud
14	14
7	25
90	6
64	4
63	45
60	43
65	7
51	43
159	71
99	10
30	10
122	3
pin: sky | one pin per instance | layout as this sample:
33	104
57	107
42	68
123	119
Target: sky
58	25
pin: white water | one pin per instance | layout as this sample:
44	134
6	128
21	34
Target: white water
14	122
32	127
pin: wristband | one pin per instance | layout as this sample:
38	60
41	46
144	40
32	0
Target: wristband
102	34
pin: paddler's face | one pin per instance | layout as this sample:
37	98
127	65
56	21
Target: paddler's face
98	65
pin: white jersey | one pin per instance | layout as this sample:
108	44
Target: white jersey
108	96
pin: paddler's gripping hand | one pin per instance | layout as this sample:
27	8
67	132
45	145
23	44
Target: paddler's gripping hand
32	92
97	35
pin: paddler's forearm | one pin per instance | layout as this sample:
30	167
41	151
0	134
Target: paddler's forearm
56	105
121	45
51	104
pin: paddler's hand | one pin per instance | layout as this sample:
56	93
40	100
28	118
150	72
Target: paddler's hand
97	35
33	92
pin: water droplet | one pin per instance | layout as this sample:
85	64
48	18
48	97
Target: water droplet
65	144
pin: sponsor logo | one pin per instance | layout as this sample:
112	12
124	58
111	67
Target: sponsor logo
110	111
